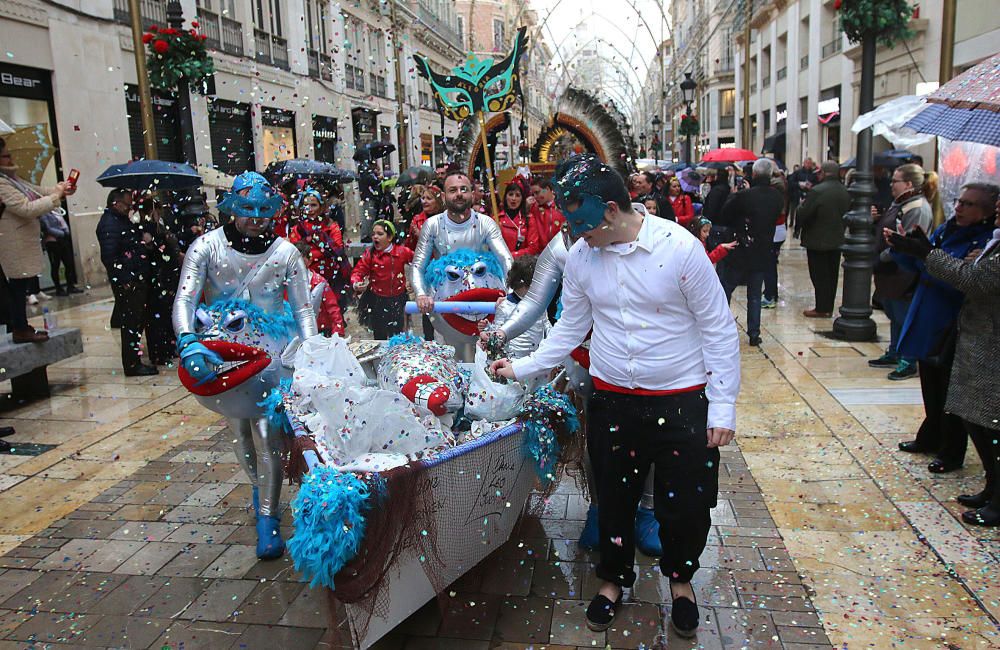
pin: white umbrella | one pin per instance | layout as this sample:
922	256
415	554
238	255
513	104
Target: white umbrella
212	177
5	128
888	121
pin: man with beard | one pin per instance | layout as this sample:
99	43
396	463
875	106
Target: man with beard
459	226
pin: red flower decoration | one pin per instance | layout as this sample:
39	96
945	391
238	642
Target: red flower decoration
161	47
148	38
153	28
170	31
836	5
194	23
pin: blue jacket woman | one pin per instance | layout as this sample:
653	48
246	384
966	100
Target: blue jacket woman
928	335
936	303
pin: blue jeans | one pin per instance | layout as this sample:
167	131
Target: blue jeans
754	280
895	309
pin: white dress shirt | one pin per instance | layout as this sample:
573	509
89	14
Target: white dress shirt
659	317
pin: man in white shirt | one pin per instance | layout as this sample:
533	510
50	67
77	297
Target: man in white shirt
665	365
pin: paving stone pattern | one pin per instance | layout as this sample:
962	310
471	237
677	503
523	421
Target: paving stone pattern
165	559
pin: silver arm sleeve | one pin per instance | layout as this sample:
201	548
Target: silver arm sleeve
548	274
422	256
193	273
299	296
495	242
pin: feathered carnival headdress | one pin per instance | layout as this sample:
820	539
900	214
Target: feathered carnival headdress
436	272
252	196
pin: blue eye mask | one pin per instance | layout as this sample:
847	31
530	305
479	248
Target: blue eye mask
587	216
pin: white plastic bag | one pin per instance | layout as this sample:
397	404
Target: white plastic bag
488	400
328	357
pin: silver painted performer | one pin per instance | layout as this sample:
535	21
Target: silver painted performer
244	260
458	227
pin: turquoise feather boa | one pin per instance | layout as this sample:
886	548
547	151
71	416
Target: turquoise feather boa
329	515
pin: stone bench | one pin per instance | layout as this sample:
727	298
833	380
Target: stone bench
24	364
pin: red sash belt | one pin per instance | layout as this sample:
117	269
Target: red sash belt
611	388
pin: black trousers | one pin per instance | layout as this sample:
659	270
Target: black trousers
987	443
626	434
17	293
159	327
944	433
131	309
60	253
824	273
386	318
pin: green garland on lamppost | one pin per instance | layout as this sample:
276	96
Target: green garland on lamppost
689	126
887	21
175	55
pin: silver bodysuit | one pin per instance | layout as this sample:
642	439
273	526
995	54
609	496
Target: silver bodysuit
214	269
544	284
440	236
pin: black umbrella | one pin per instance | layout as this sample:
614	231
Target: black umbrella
281	172
715	165
891	159
150	175
416	175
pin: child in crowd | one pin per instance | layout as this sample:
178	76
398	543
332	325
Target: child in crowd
329	320
649	201
702	228
518	281
379	278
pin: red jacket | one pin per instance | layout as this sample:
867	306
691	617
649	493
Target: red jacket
328	318
717	253
521	238
683	209
550	221
413	234
385	270
326	255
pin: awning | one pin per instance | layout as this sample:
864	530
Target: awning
775	144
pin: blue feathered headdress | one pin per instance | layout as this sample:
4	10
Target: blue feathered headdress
435	274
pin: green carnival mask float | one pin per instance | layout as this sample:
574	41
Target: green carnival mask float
476	87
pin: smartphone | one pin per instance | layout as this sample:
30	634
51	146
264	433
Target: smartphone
74	174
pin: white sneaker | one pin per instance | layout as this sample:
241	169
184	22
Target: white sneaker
32	299
44	296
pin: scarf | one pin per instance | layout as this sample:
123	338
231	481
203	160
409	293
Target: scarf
990	245
11	174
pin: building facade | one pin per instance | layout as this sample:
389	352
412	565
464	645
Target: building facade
804	73
294	78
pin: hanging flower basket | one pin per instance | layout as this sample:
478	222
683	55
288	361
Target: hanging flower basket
176	54
689	126
888	21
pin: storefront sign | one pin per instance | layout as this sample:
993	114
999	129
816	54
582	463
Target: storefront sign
28	83
325	138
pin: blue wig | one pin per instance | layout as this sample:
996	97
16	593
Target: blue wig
275	326
435	274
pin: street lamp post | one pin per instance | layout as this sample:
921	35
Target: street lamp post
855	322
688	87
523	147
175	19
642	145
656	122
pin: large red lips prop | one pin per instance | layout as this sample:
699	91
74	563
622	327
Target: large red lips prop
250	361
465	325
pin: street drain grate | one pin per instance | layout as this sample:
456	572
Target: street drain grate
24	448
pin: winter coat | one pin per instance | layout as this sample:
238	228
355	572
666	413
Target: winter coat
716	198
125	256
683	209
521	235
821	216
20	247
752	215
892	282
972	393
936	303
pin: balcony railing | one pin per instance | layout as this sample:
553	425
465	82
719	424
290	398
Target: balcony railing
725	65
753	88
765	81
832	47
727	121
313	57
232	36
325	67
782	73
154	12
209	21
354	77
431	19
378	85
804	62
269	49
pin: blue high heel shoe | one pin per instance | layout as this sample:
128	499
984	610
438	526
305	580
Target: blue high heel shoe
270	546
590	537
647	533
